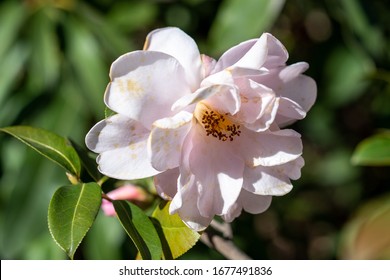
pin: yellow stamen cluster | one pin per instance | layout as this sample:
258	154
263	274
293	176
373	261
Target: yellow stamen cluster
215	124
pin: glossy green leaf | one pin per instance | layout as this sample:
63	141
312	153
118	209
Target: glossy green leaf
374	150
109	234
238	20
89	164
140	229
72	211
176	237
49	144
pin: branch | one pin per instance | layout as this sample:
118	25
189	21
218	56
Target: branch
222	244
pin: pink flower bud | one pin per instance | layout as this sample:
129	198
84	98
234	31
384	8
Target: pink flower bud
126	192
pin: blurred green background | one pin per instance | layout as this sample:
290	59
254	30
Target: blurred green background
54	62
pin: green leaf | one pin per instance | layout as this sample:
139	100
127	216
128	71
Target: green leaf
239	20
72	211
87	162
140	229
49	144
109	234
177	238
108	112
374	150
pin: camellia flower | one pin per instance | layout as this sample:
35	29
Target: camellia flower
210	132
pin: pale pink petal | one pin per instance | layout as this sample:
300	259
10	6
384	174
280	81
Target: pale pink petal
237	71
166	140
127	192
249	202
256	56
166	183
298	96
185	204
171	180
108	208
289	110
277	54
276	77
145	85
115	132
225	101
290	83
269	181
208	64
272	180
122	144
218	172
175	42
293	169
269	148
266	52
298	92
268	114
292	71
125	165
302	90
254	204
184	167
234	212
233	55
201	94
224	77
259	105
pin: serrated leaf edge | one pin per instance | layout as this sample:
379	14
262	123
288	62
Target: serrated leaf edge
68	252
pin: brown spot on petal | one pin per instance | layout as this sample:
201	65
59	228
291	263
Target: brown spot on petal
127	86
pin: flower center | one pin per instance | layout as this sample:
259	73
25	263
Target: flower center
216	124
